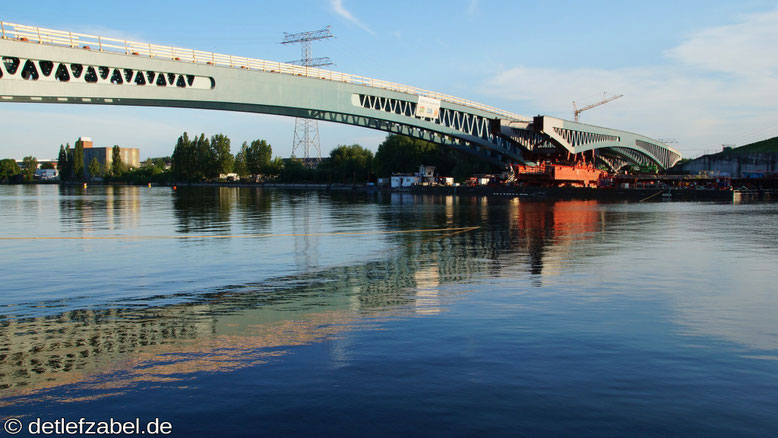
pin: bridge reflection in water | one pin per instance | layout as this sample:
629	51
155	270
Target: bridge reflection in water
105	352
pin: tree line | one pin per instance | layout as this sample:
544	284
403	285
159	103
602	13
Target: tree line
201	158
10	171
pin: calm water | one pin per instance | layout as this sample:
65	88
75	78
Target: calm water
244	312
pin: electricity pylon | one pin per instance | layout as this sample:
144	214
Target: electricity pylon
306	131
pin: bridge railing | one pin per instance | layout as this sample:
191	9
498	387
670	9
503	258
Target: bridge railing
42	35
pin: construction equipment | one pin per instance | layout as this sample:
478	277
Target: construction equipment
577	111
549	174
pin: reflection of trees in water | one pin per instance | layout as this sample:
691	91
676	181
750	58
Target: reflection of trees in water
255	206
99	207
214	209
203	209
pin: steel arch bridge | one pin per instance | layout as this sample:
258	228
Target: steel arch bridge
53	66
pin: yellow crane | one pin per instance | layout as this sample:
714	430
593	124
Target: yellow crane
577	111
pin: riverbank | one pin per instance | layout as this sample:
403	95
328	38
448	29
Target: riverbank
529	193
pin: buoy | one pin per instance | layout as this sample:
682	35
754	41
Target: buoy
149	185
84	185
174	187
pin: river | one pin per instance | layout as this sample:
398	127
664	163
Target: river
244	312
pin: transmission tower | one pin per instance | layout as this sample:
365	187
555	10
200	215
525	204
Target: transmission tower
306	131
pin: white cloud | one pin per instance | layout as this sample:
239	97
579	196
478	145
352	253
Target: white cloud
745	49
719	87
338	8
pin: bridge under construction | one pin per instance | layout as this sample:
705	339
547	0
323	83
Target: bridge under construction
53	66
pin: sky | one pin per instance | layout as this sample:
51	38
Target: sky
700	74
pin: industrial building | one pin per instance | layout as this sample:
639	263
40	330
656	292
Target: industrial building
130	156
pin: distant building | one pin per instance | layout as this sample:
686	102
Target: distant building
47	174
130	156
404	180
425	176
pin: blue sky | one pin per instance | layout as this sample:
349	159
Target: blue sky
702	72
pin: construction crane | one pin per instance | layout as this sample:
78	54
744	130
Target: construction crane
577	111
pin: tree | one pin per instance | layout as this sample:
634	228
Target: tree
30	164
95	169
65	162
204	158
295	171
276	166
193	159
239	165
183	159
258	156
78	161
8	169
48	165
349	164
117	166
399	153
223	159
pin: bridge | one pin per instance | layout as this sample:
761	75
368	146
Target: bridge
53	66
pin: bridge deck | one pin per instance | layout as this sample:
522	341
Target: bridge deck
54	66
41	35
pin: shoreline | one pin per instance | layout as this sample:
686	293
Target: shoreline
528	193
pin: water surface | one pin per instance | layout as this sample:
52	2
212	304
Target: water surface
244	311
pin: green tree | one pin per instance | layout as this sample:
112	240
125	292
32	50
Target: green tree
295	171
204	158
183	159
78	161
193	159
258	155
30	165
62	159
8	169
276	166
349	164
239	165
223	159
117	165
95	169
65	162
48	165
399	153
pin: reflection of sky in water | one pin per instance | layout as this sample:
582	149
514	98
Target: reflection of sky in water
585	286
